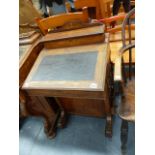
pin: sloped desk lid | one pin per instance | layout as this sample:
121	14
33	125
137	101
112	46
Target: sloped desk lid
71	68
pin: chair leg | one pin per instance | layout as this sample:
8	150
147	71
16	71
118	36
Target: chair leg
124	136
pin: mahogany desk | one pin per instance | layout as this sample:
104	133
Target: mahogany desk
78	76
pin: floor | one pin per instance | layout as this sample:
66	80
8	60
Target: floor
82	136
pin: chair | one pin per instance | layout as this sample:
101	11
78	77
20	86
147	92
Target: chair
56	21
116	35
125	83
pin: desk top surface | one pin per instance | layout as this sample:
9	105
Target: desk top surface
71	68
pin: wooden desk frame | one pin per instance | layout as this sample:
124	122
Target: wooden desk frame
101	93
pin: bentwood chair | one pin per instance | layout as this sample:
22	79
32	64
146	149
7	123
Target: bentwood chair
124	77
57	21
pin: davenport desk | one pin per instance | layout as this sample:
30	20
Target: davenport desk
78	76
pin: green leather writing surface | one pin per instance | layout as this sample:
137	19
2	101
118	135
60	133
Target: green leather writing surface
70	67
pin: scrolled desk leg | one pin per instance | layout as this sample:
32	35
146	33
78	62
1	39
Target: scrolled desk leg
108	127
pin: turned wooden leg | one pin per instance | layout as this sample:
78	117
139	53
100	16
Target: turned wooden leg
124	136
108	127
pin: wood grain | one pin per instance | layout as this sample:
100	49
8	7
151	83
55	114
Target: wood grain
77	96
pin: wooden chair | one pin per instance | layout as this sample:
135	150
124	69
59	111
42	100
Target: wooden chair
56	21
125	82
116	35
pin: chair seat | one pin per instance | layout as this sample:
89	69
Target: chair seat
127	106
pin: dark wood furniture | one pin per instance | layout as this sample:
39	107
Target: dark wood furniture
78	76
125	81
